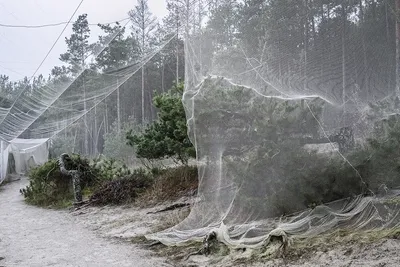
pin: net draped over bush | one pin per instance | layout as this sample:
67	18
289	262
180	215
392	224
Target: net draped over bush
281	99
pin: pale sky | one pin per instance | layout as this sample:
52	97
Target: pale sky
22	50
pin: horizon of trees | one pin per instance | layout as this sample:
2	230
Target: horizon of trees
348	44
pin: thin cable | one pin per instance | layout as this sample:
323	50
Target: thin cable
71	82
15	72
142	63
53	24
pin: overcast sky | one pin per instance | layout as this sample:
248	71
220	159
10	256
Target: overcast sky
22	50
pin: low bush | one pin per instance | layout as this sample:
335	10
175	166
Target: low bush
122	190
48	187
148	187
110	169
170	184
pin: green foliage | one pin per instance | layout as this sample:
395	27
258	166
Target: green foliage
110	169
78	45
118	52
166	137
48	187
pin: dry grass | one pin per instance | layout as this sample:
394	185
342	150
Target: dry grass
306	247
170	185
171	219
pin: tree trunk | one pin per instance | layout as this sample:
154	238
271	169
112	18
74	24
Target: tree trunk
86	145
143	53
322	46
118	109
143	117
177	46
344	57
364	47
163	76
387	22
397	48
305	44
95	139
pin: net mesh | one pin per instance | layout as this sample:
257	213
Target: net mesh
281	100
287	103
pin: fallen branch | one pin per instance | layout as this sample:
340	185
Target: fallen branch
172	207
153	244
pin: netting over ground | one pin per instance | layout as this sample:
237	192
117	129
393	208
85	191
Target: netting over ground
292	107
288	103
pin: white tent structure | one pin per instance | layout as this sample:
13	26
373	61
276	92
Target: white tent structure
25	154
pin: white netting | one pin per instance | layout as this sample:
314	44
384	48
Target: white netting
280	99
20	155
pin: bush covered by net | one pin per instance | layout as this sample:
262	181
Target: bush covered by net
292	109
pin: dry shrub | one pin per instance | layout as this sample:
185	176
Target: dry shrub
171	219
170	185
122	190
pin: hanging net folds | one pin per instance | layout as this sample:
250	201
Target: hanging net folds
292	108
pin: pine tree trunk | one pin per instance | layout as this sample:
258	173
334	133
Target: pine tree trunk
306	44
106	112
143	52
95	139
177	47
163	77
321	43
397	48
364	48
118	109
85	128
344	57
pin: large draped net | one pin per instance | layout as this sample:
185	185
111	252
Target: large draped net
291	105
285	101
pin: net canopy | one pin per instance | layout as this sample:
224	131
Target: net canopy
287	104
83	100
291	105
20	155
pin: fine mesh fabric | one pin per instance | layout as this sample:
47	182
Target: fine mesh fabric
20	155
71	107
278	95
281	98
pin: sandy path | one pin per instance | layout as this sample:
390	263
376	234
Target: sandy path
30	236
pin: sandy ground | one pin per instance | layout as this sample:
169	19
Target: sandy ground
35	237
96	236
128	223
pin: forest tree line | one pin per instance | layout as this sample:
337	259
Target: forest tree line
350	45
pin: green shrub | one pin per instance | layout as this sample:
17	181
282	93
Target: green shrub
110	169
48	187
167	137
